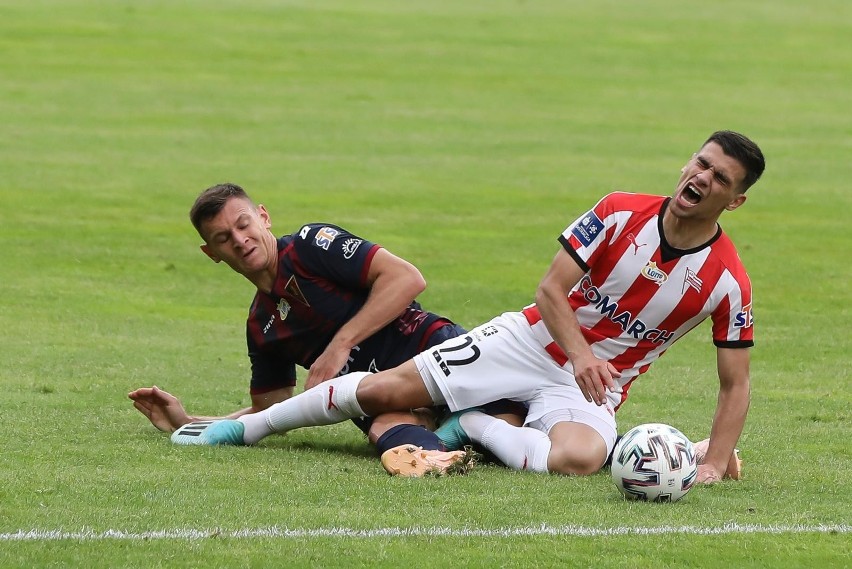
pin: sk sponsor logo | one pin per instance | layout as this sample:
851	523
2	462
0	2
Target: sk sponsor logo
325	237
744	319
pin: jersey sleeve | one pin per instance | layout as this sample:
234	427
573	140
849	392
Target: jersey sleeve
586	238
332	252
733	322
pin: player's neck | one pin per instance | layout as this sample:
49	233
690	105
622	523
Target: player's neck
264	279
687	234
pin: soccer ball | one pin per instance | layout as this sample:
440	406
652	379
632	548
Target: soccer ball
654	462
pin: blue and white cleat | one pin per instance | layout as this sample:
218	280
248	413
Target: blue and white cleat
451	432
211	433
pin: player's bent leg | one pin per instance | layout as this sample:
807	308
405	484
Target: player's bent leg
386	421
519	448
513	412
397	389
575	449
395	429
452	433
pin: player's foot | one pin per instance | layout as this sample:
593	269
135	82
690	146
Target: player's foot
735	465
413	461
219	432
451	432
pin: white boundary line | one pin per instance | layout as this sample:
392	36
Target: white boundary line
284	533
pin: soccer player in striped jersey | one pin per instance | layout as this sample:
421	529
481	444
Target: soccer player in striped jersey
633	275
326	300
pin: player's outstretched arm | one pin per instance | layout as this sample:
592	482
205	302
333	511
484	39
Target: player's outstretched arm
166	412
594	376
731	410
394	284
163	409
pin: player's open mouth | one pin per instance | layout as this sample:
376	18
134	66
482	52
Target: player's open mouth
690	194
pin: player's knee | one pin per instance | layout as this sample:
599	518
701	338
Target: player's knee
372	395
392	390
574	464
578	460
377	393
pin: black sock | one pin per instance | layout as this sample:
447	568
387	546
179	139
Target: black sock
363	423
416	435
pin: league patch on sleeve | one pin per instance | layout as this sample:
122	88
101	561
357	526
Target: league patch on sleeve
325	237
588	228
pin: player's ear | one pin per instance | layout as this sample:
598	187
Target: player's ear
264	215
210	253
736	202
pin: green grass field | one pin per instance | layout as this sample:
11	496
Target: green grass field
463	136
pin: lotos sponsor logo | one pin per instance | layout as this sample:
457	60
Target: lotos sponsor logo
653	273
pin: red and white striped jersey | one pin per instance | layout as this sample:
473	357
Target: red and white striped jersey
639	294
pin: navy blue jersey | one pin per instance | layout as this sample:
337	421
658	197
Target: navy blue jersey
321	284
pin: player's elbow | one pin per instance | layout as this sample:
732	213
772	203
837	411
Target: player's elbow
545	293
418	282
415	283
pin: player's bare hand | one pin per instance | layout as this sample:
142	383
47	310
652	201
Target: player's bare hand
163	409
708	474
328	365
594	377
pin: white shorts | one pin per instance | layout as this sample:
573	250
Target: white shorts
501	359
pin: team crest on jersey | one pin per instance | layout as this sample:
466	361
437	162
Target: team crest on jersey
655	274
588	228
283	309
292	288
691	280
350	246
325	237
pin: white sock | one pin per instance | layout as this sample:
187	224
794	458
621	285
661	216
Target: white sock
330	402
521	448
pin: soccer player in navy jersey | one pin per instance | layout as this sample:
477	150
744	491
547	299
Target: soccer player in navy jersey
326	300
633	275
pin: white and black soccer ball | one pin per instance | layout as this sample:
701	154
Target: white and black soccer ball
654	462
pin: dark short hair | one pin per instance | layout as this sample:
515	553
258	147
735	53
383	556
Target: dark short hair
744	150
211	201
